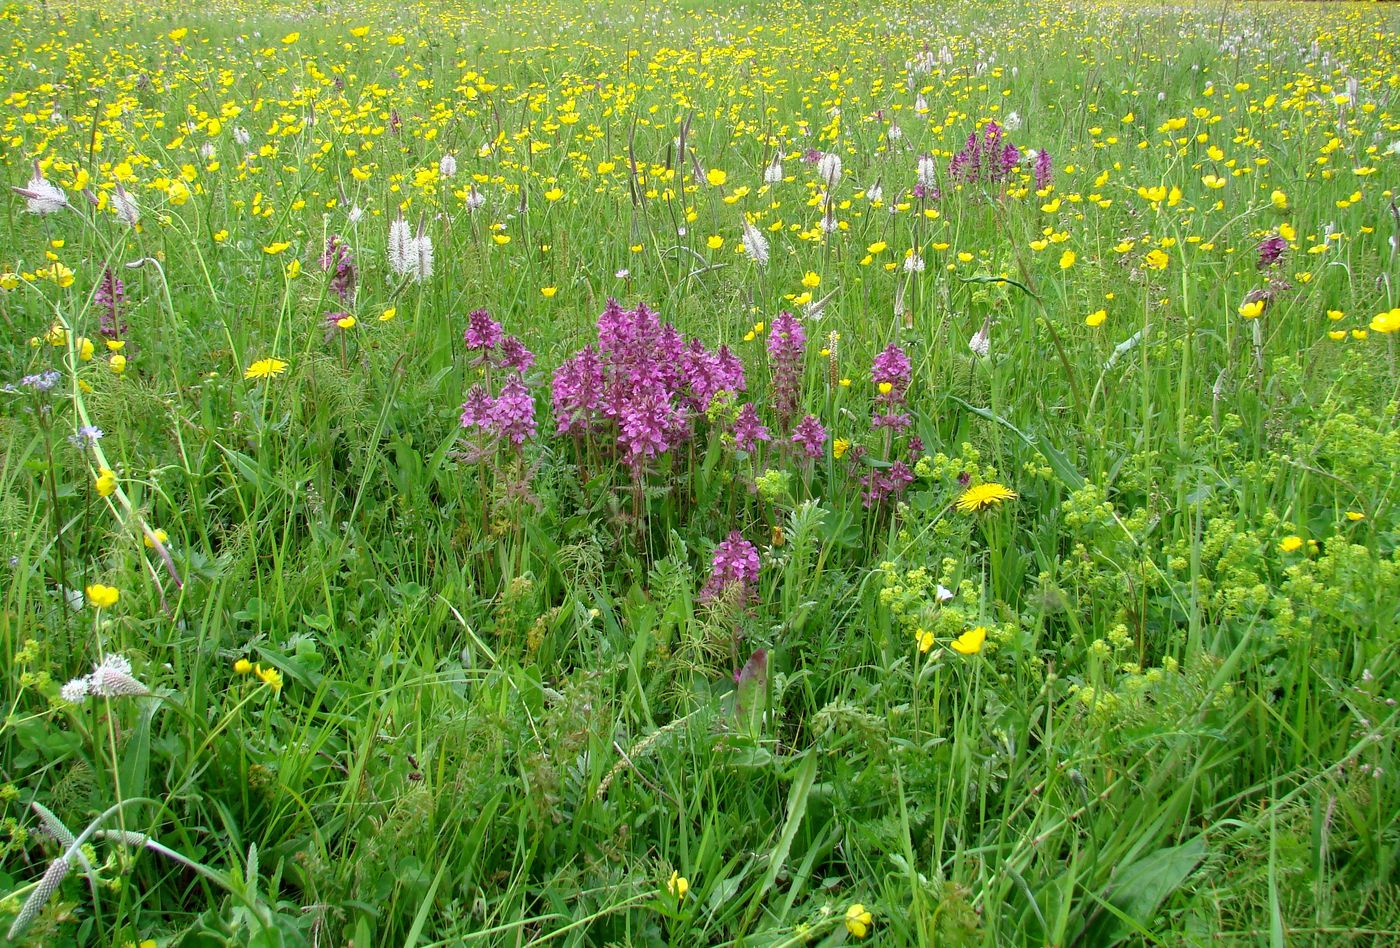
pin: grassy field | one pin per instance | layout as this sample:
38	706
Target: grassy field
640	474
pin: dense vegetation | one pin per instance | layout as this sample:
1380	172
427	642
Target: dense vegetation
641	474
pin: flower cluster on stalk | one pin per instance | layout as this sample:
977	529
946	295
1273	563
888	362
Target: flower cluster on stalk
638	389
510	415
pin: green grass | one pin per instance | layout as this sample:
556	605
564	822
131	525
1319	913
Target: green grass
492	703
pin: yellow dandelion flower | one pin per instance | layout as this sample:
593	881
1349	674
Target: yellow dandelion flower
270	677
984	496
265	369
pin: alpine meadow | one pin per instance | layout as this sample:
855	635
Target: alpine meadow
813	472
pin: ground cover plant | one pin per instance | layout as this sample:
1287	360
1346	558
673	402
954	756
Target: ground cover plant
699	474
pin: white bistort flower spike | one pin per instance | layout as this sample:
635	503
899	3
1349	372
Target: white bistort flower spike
42	195
125	206
774	172
981	343
112	678
755	244
400	250
423	254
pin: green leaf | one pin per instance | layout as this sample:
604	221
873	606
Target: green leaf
136	759
1059	462
988	278
1138	889
796	809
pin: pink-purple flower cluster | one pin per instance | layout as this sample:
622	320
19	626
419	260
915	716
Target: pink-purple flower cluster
641	384
509	416
891	373
879	485
336	260
483	333
787	346
748	430
810	437
1271	251
109	297
985	160
1043	170
733	570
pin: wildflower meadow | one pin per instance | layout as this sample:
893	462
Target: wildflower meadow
699	474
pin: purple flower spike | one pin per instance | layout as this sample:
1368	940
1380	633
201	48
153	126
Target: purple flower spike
810	436
1271	251
483	332
515	356
477	410
513	415
735	565
787	343
748	430
1044	171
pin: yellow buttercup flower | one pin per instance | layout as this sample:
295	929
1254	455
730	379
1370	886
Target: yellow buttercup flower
1096	318
677	885
858	920
716	177
971	641
1291	544
106	483
1251	309
102	597
1386	323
